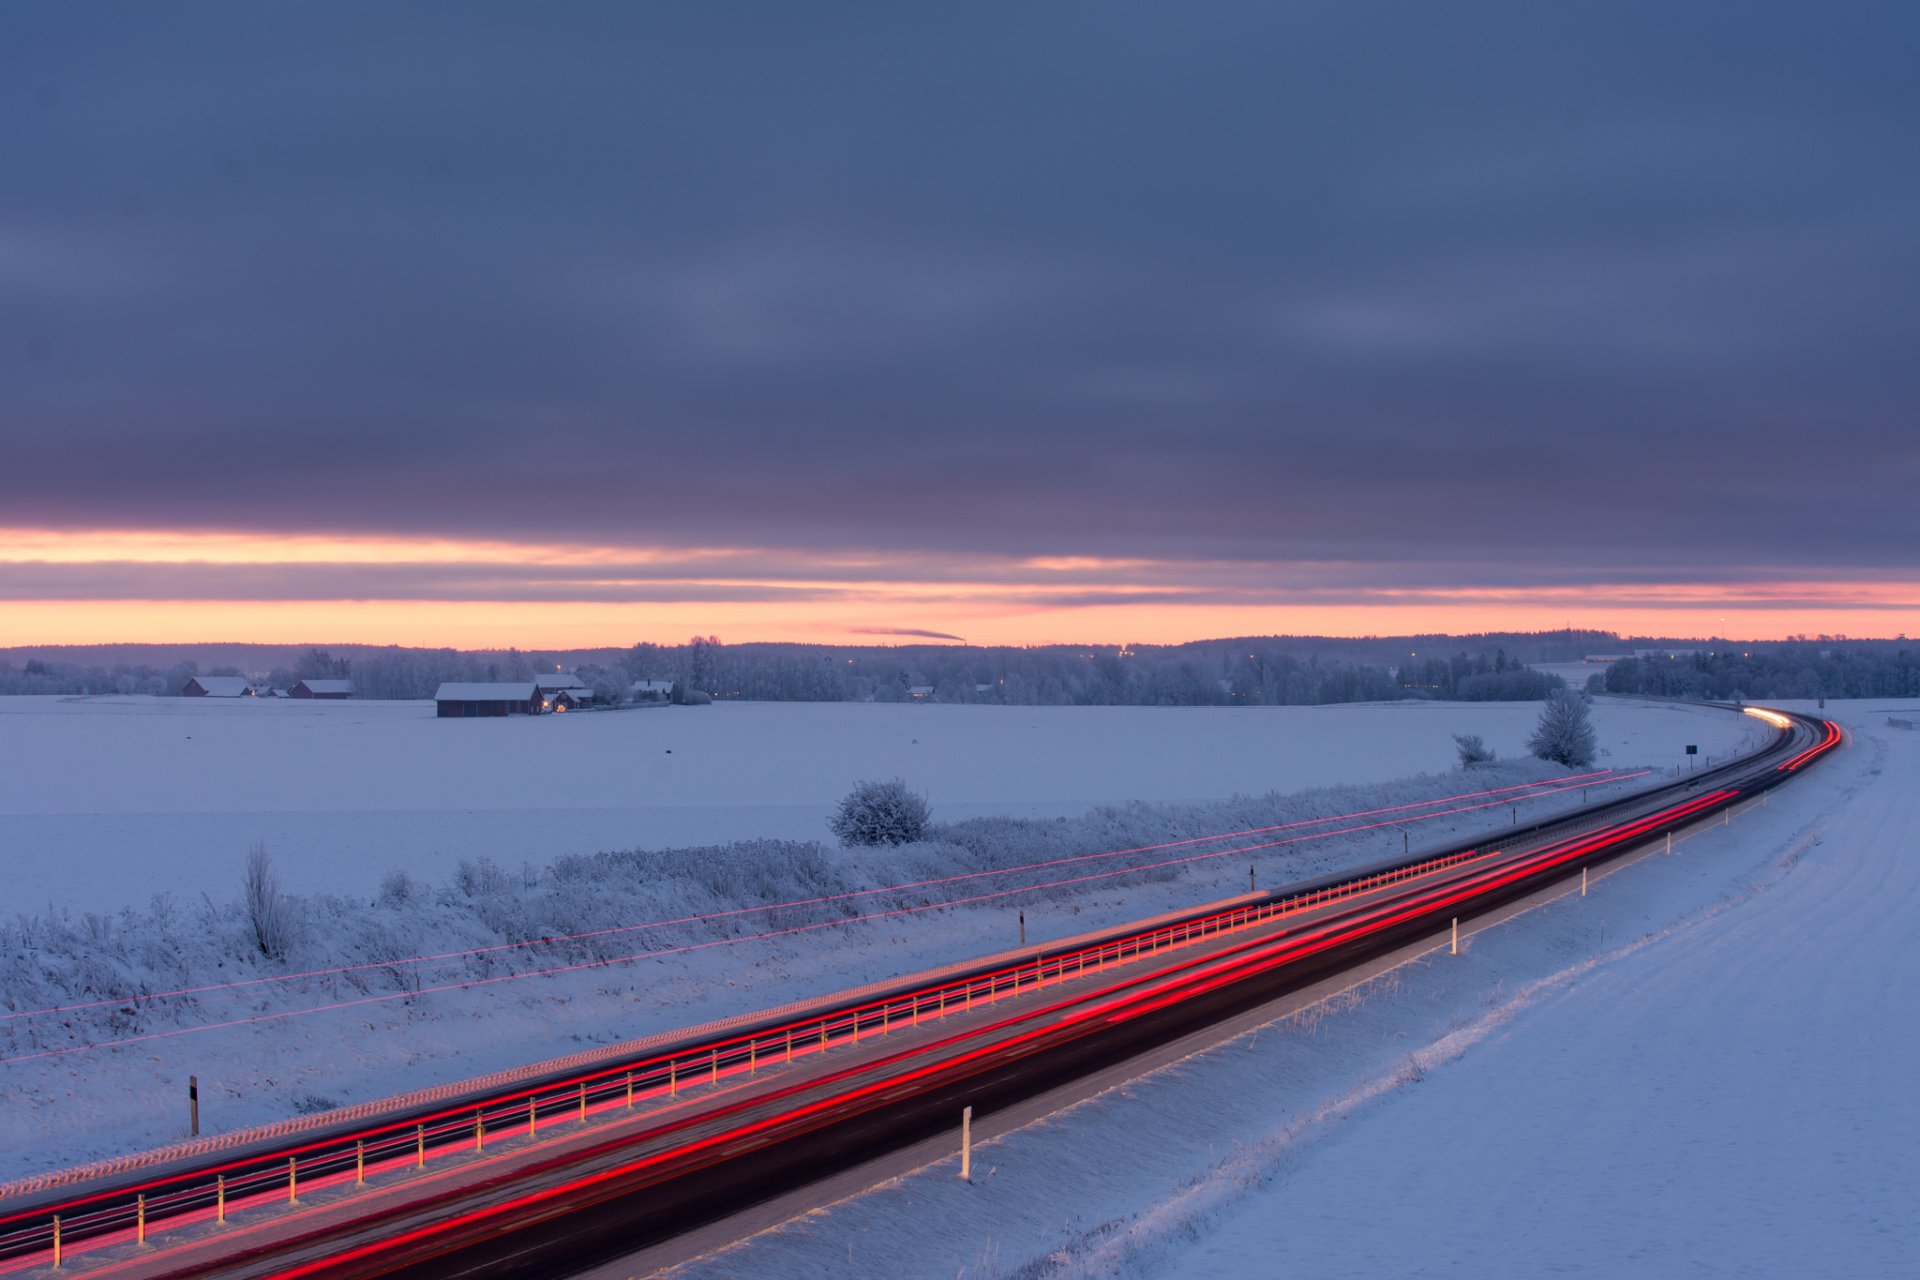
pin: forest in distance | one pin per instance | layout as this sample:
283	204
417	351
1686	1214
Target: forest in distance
1252	671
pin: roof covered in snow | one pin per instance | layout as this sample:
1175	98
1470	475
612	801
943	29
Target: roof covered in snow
328	686
559	680
495	691
225	686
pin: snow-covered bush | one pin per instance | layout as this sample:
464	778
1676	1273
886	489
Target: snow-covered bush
880	813
1473	749
269	914
1565	733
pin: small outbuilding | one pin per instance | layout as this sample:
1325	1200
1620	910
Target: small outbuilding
217	687
457	699
332	689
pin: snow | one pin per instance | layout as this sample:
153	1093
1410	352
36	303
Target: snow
109	800
65	1108
1702	1068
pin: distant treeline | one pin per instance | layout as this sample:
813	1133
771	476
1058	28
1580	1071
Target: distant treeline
1849	669
1283	671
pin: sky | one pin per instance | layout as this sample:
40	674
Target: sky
583	324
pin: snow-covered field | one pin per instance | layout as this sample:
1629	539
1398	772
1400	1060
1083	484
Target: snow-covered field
1704	1068
105	801
63	1106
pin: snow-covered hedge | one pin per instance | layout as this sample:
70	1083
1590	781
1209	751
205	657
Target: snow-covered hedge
57	958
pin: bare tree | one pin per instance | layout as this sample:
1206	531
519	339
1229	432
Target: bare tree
269	914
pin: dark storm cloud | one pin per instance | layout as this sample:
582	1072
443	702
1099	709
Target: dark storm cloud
1558	291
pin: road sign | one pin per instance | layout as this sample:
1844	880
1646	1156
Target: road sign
1693	748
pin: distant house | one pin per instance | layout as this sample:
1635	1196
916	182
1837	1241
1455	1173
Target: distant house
650	690
920	692
563	692
217	687
459	699
322	689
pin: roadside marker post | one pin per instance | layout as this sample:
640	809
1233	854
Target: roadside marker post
1456	935
193	1106
966	1146
140	1219
360	1164
1583	882
220	1199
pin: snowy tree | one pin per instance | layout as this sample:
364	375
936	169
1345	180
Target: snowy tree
1473	750
880	813
1565	733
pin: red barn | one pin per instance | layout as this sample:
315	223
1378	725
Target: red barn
458	700
322	689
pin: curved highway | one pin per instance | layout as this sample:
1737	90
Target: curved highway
558	1172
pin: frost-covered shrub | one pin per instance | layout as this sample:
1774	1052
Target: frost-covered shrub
1473	749
880	813
1565	733
481	878
397	889
269	914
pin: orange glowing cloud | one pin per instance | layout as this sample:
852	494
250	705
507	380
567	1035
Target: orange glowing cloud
61	587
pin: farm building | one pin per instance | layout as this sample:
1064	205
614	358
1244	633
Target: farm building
561	691
322	689
650	690
217	687
509	698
